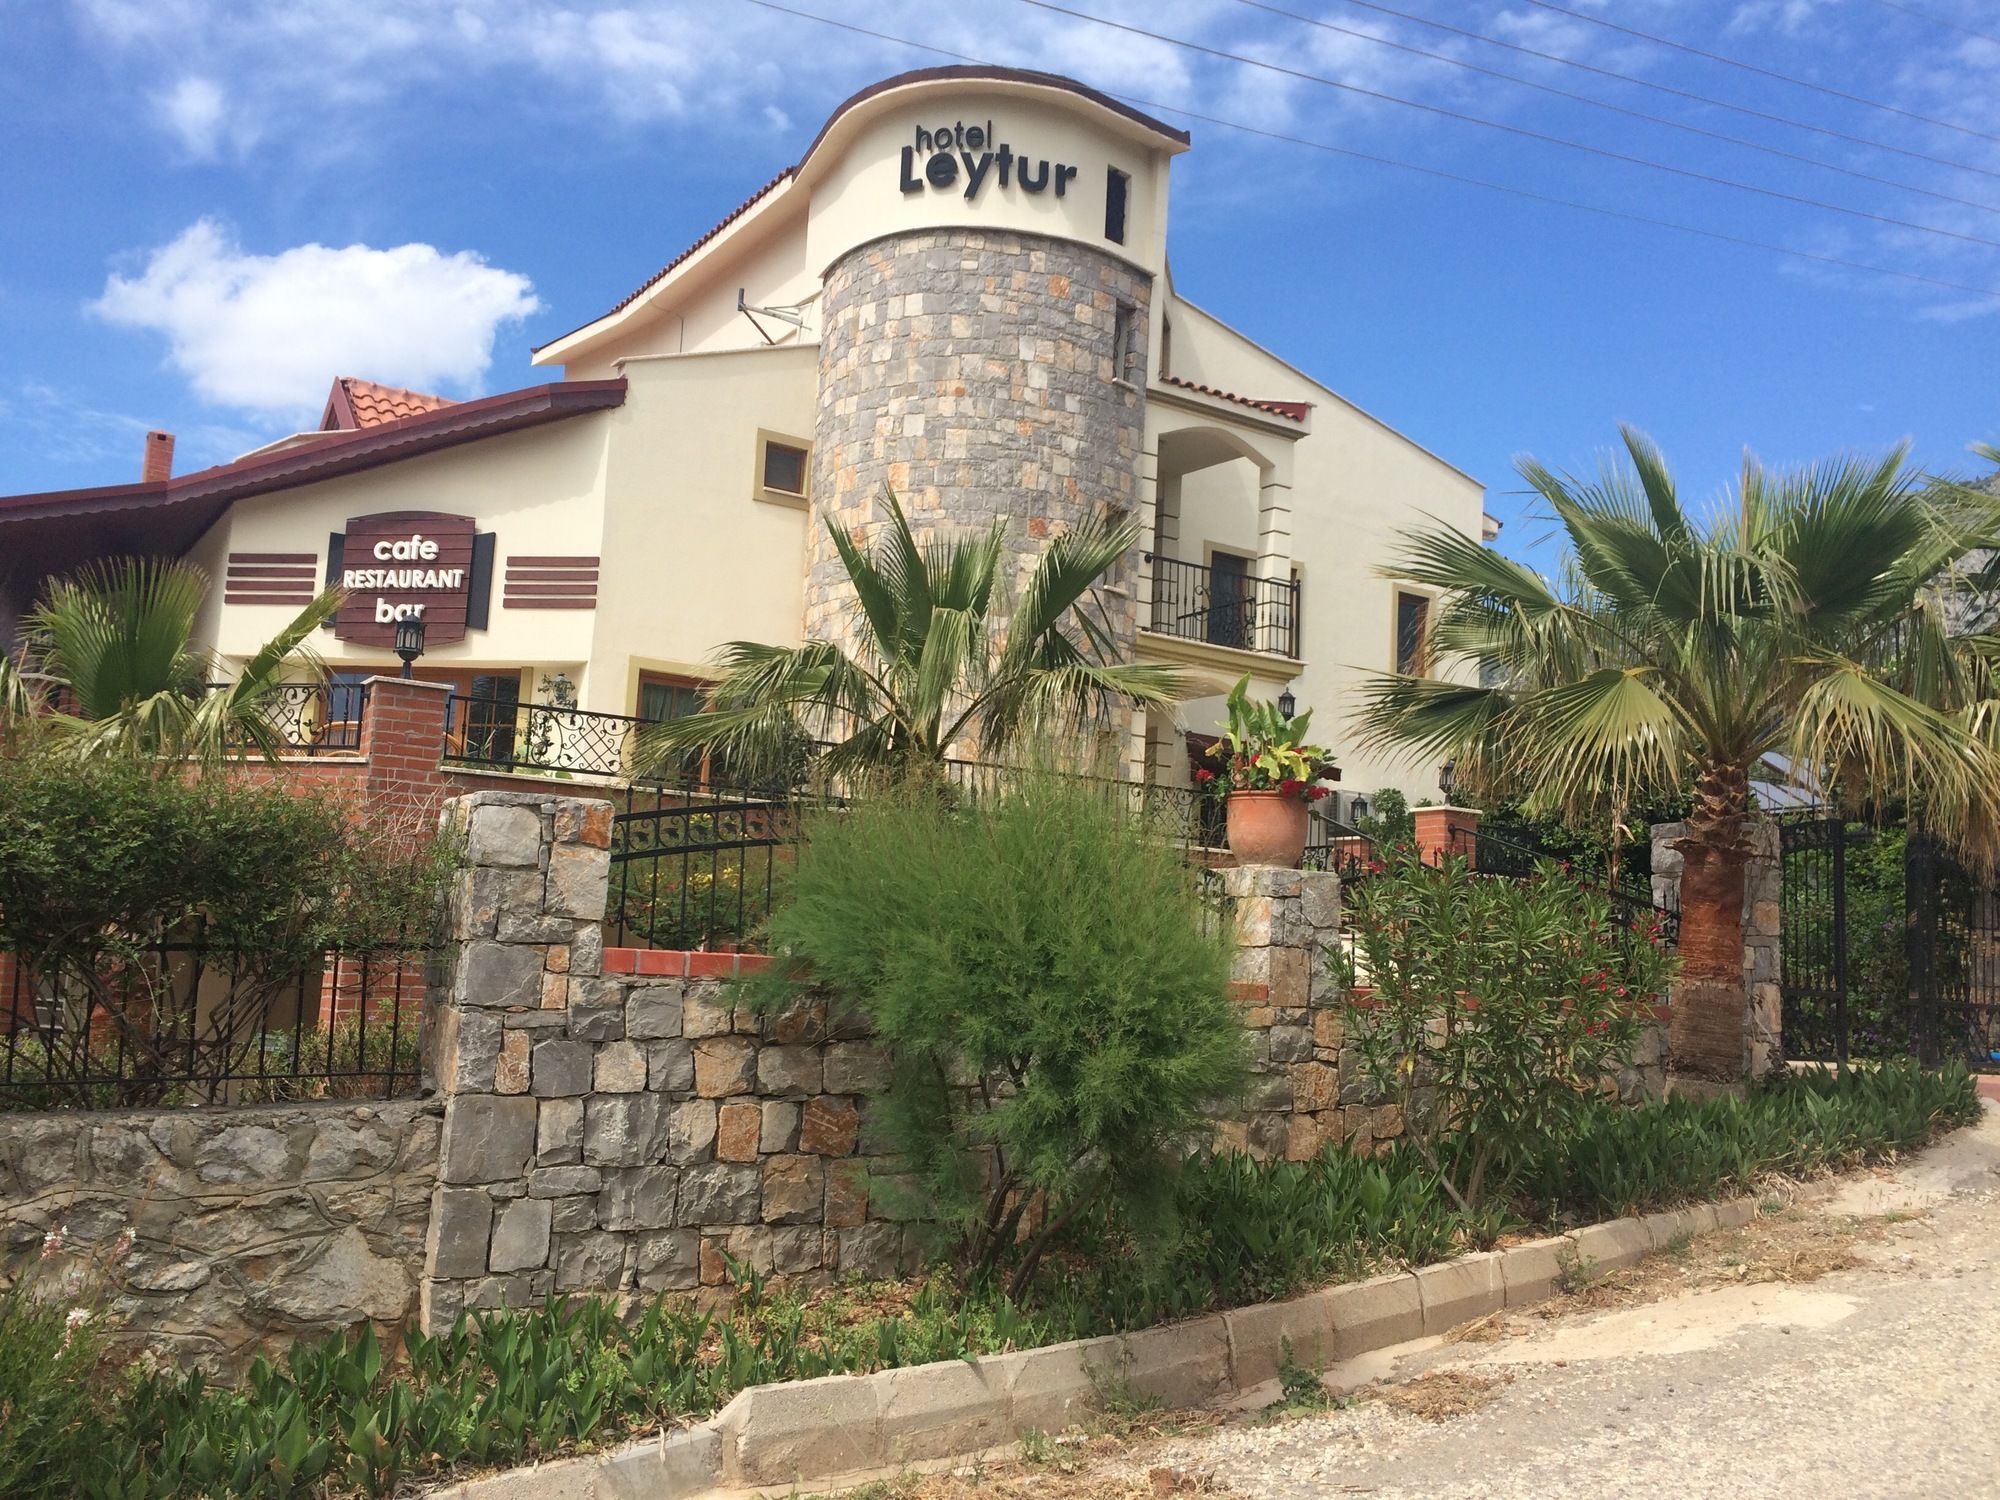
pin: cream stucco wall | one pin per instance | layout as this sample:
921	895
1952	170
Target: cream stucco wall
1356	484
691	557
540	491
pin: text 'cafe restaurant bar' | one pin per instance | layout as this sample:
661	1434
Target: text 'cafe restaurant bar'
961	292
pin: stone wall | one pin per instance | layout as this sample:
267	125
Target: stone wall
249	1226
1763	878
973	374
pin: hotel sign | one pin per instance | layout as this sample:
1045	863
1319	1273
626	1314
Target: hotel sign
942	158
407	565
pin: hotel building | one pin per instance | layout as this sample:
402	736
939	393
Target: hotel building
960	292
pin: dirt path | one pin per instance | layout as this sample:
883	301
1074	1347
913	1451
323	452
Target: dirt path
1846	1345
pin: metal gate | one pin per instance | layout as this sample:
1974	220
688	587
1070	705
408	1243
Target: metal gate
1888	947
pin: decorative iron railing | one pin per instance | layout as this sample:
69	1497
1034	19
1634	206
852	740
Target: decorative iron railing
312	718
1225	607
502	735
188	1023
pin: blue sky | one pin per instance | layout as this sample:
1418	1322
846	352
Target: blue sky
213	206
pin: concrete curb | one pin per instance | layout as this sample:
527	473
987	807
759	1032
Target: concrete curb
807	1432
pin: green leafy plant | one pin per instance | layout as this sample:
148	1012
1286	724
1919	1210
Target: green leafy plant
1808	622
1053	1002
1492	1010
1264	751
948	652
121	673
125	892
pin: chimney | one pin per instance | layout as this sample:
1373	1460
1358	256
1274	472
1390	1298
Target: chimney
159	464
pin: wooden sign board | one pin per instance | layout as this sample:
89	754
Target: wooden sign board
405	565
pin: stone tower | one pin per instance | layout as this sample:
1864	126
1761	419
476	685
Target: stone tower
978	374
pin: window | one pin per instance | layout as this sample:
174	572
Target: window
664	698
1413	616
784	469
1128	358
1117	188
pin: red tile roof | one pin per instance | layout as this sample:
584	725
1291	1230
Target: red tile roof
1291	411
57	529
355	403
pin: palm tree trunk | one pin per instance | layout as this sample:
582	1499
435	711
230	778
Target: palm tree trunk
1706	1030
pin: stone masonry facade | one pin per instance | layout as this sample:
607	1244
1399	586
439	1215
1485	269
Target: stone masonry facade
248	1226
624	1132
974	374
615	1123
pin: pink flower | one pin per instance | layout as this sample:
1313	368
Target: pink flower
1291	786
1204	776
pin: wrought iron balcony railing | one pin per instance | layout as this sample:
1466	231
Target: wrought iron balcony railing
1225	607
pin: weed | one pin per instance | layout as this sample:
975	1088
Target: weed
1680	1244
1037	1447
1299	1385
1575	1271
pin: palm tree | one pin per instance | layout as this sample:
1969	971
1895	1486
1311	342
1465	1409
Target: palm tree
945	653
116	642
1804	625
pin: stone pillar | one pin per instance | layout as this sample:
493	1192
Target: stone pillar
1287	923
1763	1028
1447	830
509	1047
1274	557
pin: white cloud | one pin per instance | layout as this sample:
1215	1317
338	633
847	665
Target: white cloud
266	333
193	110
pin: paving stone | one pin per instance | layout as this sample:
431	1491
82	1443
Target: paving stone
1532	1272
1373	1314
1612	1246
943	1411
1257	1337
807	1428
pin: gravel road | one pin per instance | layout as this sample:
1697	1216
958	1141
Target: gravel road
1882	1379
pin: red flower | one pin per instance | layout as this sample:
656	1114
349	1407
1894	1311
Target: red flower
1314	793
1204	775
1291	786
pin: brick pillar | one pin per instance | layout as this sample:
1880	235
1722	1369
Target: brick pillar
509	1045
402	740
1447	830
1287	922
1763	1017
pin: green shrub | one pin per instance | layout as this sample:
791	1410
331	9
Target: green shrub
125	885
1492	1010
1053	1003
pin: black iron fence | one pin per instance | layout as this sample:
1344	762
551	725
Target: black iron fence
1225	606
187	1023
1888	947
1631	895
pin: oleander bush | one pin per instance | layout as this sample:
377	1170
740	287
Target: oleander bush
336	1417
1491	1011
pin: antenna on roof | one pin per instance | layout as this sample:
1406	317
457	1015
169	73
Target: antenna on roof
790	312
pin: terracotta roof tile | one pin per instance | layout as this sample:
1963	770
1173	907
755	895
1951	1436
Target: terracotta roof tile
353	404
1291	411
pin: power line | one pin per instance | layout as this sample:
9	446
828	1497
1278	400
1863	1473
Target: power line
1520	130
1618	109
1670	89
1762	72
1924	15
1409	166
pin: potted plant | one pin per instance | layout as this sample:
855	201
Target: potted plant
1268	775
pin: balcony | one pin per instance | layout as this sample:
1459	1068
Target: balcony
1225	605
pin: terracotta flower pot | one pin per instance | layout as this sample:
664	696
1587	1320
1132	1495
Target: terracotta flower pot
1267	828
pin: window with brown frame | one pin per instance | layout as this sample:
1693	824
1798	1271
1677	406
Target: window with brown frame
1413	618
784	469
